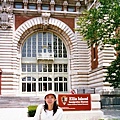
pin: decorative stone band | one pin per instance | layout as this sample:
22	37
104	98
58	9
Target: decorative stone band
53	23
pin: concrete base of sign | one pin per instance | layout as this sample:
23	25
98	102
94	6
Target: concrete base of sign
80	115
83	115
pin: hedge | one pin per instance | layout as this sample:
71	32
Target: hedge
31	110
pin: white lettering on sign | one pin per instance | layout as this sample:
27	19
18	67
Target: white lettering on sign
81	98
72	98
85	102
74	101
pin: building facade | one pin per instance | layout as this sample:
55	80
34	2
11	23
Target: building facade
40	49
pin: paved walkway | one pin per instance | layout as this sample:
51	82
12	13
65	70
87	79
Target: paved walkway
21	114
13	114
111	114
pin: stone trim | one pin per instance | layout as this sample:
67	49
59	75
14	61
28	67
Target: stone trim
38	23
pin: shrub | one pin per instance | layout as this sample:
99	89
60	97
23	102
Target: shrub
32	110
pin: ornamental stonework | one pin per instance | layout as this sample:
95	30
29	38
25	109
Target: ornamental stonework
5	15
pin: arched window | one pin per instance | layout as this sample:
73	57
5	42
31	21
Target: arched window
60	84
44	42
44	84
44	57
28	84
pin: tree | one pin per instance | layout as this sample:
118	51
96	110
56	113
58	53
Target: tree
113	73
101	26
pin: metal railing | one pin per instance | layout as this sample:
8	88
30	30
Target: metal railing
86	90
110	99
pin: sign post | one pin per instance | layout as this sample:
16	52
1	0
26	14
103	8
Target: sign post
76	102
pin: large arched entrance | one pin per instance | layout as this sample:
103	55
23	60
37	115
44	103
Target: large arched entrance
49	57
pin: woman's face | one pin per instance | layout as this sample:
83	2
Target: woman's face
50	99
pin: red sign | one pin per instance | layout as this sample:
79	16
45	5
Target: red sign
69	102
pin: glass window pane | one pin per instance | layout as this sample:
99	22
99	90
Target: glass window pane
33	79
65	86
39	67
49	67
33	87
60	54
33	46
56	79
44	38
24	79
18	5
39	49
33	67
49	79
44	68
45	87
28	53
39	42
55	67
58	8
55	41
29	47
40	79
65	79
65	67
45	50
60	67
33	53
55	86
49	38
64	52
23	67
60	86
28	78
23	87
60	47
28	87
32	6
64	55
71	8
60	78
55	53
44	78
34	41
55	45
39	86
49	86
28	67
45	7
24	50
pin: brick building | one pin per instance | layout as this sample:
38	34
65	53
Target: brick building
40	49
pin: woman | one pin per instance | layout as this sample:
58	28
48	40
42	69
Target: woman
50	110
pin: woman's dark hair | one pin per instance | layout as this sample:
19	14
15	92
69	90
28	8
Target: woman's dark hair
55	106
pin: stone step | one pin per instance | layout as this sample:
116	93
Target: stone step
19	102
